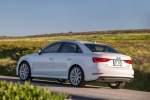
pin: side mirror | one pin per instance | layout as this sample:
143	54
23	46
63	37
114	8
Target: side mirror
40	51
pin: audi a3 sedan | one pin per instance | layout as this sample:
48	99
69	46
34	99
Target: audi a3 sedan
78	62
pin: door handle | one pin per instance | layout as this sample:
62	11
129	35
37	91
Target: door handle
51	58
69	59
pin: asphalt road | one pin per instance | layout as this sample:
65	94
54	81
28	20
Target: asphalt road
88	92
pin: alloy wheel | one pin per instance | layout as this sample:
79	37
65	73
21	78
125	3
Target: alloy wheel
24	71
75	76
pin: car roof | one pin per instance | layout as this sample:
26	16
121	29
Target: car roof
84	48
83	42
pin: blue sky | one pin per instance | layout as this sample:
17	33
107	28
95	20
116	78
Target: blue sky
30	17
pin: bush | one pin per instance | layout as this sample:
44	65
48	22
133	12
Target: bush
17	91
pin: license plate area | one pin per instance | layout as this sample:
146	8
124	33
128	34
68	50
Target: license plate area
117	62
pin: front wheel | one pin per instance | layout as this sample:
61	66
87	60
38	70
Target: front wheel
116	85
25	72
76	77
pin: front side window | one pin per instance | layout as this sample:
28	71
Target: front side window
52	48
70	48
100	48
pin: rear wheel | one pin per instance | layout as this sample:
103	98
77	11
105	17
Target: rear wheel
116	85
76	77
25	72
62	80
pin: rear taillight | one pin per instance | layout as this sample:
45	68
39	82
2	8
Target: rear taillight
128	61
100	59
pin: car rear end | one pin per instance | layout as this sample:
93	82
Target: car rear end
109	65
113	67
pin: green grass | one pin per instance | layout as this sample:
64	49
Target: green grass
17	91
134	44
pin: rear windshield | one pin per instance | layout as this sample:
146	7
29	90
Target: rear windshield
101	48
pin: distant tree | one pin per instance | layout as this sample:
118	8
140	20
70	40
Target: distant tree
70	32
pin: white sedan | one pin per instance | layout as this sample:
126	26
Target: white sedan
78	62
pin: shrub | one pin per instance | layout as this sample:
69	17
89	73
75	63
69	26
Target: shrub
17	91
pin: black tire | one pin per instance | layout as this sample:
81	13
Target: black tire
25	72
116	85
62	80
77	79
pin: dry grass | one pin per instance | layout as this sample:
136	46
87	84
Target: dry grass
6	61
136	45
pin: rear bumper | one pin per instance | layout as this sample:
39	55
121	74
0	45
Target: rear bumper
114	79
109	74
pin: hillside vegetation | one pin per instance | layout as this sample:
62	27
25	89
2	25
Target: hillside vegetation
133	43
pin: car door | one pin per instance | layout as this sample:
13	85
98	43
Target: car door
43	63
64	59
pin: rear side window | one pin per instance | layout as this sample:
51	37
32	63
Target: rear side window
70	48
101	48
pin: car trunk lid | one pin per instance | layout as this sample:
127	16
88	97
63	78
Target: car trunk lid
113	59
